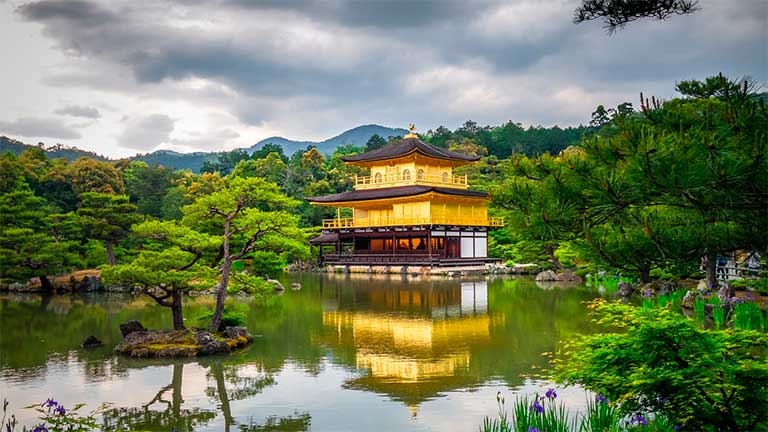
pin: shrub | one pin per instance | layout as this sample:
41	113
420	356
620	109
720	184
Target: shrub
233	316
760	285
657	361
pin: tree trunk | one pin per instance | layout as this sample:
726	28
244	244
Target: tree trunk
178	373
110	253
176	310
217	370
46	284
710	269
645	274
221	290
550	249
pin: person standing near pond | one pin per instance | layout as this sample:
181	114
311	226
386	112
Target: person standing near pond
721	263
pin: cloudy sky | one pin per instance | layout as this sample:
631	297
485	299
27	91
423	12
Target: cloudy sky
121	77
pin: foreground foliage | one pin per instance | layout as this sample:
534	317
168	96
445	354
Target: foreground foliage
542	414
657	361
655	189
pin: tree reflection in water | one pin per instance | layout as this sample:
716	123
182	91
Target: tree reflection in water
148	417
165	411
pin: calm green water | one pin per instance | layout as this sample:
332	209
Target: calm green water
349	352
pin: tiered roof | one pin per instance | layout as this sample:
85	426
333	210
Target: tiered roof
394	192
405	147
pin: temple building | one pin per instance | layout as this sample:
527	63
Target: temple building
411	210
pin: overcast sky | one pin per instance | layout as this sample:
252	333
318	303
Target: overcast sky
125	77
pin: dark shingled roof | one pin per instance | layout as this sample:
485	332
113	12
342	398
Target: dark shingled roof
325	238
394	192
406	146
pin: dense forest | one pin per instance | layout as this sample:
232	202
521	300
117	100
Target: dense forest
645	192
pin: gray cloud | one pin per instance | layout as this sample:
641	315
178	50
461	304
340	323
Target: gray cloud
146	133
318	67
79	111
39	127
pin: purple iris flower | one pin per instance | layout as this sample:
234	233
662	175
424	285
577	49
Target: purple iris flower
640	420
677	428
600	398
60	410
49	403
533	429
40	428
551	394
537	406
750	296
647	293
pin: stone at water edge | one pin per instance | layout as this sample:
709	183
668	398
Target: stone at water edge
235	331
725	293
91	342
131	326
689	299
568	276
276	283
625	289
209	344
295	286
546	275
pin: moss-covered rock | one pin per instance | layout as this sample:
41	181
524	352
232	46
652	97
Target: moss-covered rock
181	343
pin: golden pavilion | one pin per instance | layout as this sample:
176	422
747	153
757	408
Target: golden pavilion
411	210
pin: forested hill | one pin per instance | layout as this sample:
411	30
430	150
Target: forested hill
357	137
499	141
180	161
54	152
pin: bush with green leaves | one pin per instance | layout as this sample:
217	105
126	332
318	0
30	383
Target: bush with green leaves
657	361
234	315
760	285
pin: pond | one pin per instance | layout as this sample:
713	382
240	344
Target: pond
346	352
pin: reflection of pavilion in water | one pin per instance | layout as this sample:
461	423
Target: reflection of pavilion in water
415	338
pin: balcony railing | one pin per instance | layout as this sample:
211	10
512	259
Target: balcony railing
381	222
373	182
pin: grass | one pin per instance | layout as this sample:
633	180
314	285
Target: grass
600	416
749	316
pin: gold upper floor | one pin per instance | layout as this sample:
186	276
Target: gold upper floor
412	170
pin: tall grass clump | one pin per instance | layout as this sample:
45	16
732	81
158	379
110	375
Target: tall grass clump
749	316
543	414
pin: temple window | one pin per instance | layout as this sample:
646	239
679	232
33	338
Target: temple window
445	177
406	174
377	177
420	174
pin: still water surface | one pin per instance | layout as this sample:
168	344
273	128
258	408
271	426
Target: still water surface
346	352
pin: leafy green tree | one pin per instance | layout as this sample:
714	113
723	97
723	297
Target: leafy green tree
375	142
674	182
652	360
225	162
107	218
247	214
147	185
543	201
29	246
270	167
90	175
168	266
268	148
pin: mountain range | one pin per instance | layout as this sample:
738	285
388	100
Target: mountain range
357	136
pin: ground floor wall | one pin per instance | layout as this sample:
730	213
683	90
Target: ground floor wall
397	246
